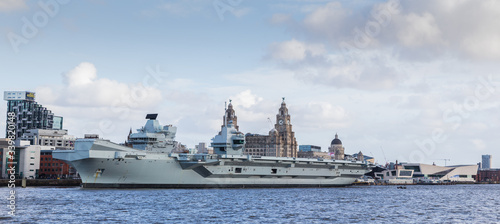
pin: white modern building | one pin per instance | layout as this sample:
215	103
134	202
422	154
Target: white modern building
419	172
45	137
29	149
396	176
459	173
27	158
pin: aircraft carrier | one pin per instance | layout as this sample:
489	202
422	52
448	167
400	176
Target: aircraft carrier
152	161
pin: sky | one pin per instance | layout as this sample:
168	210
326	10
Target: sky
413	81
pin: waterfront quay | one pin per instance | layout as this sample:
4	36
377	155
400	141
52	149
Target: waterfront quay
43	182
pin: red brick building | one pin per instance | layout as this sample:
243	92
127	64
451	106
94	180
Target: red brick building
489	175
53	168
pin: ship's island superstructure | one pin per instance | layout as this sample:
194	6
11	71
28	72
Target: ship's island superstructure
154	162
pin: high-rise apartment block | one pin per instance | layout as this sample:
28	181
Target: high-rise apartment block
29	114
486	162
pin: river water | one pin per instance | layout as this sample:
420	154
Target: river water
366	204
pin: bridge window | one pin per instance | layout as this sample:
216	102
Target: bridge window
238	142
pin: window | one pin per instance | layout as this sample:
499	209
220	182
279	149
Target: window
414	168
32	164
405	173
238	142
237	170
273	171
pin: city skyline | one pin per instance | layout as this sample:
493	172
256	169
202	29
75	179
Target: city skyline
397	80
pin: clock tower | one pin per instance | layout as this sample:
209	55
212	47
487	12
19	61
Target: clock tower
287	144
280	142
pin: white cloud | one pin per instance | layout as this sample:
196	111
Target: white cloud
419	30
322	115
327	20
184	8
90	104
313	65
423	30
84	88
12	5
246	99
479	144
240	12
280	18
83	74
294	50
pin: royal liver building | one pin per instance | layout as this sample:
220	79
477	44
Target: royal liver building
280	142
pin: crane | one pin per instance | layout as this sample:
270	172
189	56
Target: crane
444	161
383	153
270	123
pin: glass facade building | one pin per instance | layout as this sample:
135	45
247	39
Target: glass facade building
28	113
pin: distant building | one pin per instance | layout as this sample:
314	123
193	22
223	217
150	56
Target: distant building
360	157
201	148
51	168
309	148
210	150
49	140
425	172
336	148
396	176
313	154
4	143
57	138
26	158
486	162
280	142
489	175
30	114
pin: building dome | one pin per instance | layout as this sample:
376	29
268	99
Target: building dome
336	141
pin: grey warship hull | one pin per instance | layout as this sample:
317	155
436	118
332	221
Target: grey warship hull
103	164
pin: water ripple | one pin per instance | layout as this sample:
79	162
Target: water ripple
376	204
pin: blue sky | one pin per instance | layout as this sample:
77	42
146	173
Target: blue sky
405	80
